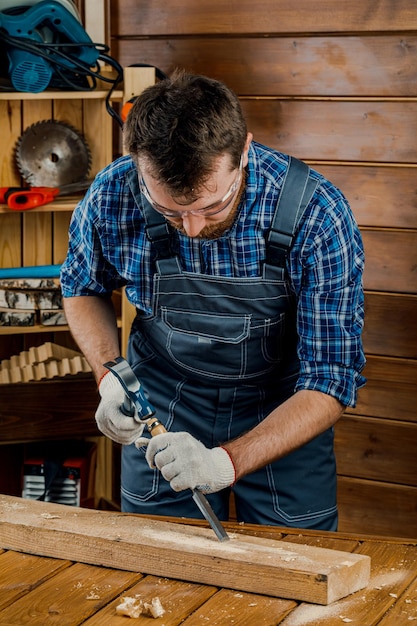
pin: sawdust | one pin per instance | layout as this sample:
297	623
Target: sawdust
235	546
345	609
316	614
12	506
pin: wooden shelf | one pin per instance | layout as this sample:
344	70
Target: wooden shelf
37	328
98	94
60	205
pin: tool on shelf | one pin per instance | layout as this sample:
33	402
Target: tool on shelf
51	153
25	198
135	397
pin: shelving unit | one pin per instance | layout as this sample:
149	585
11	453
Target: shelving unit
41	411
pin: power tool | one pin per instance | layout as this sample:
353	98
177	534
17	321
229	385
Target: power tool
46	46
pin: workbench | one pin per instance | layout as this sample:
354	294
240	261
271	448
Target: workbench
42	591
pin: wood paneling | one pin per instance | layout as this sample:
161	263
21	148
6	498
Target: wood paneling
287	66
379	196
211	17
374	131
390	391
391	260
377	449
390	325
376	507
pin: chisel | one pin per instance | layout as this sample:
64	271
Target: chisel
134	397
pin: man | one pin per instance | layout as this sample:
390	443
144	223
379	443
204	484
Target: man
249	305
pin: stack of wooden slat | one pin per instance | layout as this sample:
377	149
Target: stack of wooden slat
43	362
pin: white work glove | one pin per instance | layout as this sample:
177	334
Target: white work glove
109	416
187	464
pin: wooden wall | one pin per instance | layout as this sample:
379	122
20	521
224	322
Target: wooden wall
335	84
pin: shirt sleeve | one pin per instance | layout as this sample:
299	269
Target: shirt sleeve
326	267
86	271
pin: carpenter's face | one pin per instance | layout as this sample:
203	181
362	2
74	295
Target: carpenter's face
213	210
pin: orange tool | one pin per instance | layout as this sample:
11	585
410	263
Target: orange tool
24	198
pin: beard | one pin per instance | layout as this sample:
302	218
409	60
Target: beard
217	229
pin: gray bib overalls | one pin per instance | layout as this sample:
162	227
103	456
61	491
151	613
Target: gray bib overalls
216	355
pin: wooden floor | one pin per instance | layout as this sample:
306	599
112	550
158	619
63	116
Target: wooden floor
43	591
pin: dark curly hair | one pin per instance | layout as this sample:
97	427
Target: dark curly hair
180	125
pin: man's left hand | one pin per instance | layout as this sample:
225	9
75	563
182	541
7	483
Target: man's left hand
187	464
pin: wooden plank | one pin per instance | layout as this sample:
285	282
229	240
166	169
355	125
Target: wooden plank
97	129
36	226
11	227
178	598
381	65
182	17
404	609
10	114
379	196
229	607
377	131
21	573
11	240
390	328
391	260
85	588
38	411
390	390
154	547
376	449
135	80
393	569
60	236
375	507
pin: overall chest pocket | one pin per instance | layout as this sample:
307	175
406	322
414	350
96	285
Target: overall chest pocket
228	347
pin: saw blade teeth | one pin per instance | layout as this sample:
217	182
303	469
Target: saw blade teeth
51	153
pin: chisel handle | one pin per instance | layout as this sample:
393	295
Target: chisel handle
155	427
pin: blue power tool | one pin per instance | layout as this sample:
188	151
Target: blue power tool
46	45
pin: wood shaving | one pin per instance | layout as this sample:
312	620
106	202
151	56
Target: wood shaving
92	596
130	607
154	608
135	607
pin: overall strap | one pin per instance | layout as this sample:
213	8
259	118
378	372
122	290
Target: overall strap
158	231
296	193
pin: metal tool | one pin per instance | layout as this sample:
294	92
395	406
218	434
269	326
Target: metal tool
52	154
25	198
135	397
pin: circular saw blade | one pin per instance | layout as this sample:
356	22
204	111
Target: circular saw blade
52	154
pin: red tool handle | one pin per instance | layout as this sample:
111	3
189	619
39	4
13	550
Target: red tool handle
6	191
22	200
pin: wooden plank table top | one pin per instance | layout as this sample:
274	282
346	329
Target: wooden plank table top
43	591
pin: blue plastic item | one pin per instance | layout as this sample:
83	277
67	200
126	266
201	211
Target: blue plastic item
33	271
41	40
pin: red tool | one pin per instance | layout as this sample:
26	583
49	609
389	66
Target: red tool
24	198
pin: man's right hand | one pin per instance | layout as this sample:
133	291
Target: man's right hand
109	416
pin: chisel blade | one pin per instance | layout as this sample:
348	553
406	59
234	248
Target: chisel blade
205	507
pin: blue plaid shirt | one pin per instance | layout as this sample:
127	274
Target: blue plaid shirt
108	249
